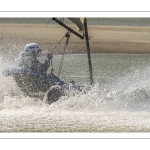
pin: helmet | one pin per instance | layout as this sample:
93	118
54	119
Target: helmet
32	48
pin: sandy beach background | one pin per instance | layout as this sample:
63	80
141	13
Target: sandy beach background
104	39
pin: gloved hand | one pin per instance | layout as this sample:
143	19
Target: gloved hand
49	55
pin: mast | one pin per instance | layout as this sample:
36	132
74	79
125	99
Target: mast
88	51
87	43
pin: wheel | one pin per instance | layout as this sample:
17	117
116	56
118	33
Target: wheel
53	94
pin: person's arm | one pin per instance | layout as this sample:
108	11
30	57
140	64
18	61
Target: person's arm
42	67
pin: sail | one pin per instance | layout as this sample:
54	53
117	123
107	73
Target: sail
79	22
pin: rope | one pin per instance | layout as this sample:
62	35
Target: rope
57	44
62	58
52	70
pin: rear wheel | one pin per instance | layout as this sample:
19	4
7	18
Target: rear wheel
53	94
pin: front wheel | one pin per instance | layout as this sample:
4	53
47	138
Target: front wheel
53	94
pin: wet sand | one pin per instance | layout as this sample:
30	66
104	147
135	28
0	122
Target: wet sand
104	39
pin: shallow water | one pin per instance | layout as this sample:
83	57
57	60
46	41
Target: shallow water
119	101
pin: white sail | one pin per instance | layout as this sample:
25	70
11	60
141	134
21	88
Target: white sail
79	22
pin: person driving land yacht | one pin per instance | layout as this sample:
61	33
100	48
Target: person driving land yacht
29	58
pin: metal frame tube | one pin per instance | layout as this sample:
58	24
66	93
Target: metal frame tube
88	51
69	29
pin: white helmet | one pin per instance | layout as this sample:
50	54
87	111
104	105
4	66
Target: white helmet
32	48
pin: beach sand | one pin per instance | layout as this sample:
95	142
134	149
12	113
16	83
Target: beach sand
104	39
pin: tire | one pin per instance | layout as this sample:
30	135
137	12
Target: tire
53	94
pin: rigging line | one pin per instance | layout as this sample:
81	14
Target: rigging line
48	22
61	19
58	43
52	70
54	49
61	62
62	58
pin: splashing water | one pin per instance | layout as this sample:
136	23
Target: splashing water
118	102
